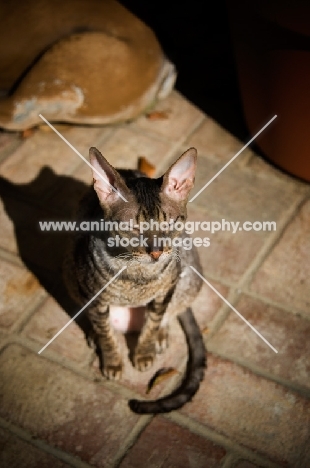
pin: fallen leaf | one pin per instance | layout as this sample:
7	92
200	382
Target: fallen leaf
145	166
28	132
205	330
160	376
158	115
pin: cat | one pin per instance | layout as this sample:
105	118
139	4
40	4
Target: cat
159	279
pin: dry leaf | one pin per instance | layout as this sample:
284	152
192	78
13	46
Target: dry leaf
160	376
28	132
205	330
145	166
158	115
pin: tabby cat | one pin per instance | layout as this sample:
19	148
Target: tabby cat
159	279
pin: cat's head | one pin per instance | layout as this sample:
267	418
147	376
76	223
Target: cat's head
150	207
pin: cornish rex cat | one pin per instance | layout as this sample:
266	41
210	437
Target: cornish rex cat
157	278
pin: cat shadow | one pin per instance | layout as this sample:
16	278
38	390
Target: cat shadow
48	197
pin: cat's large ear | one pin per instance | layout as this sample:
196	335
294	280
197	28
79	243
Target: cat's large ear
180	177
108	183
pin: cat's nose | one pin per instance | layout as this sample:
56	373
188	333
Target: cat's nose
155	254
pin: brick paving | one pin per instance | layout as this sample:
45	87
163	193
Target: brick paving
253	408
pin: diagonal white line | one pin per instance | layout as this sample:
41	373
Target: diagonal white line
81	310
232	159
235	310
82	157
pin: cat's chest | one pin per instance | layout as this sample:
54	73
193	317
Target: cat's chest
135	289
135	293
128	304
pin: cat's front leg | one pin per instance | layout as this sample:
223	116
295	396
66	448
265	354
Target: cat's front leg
106	340
153	338
162	340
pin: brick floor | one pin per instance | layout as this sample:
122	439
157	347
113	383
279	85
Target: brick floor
284	276
254	412
19	290
253	408
288	333
56	405
47	321
165	444
245	464
206	139
29	456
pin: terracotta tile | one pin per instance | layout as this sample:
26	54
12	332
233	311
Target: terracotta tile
228	255
211	140
246	464
54	404
254	412
240	194
284	276
48	149
6	138
9	142
208	303
181	115
288	333
16	453
126	145
264	168
166	444
83	174
19	289
47	321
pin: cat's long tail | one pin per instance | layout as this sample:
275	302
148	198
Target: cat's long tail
194	372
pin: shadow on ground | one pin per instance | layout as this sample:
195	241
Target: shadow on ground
48	197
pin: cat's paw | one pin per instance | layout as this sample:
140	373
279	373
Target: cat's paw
112	368
143	360
162	341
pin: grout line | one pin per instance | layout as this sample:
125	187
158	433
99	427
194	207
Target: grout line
169	159
10	257
247	277
232	159
277	305
99	141
198	428
235	310
42	445
271	241
82	157
157	137
62	361
10	150
302	391
230	461
38	301
219	319
131	439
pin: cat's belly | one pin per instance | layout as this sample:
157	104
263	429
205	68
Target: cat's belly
127	319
